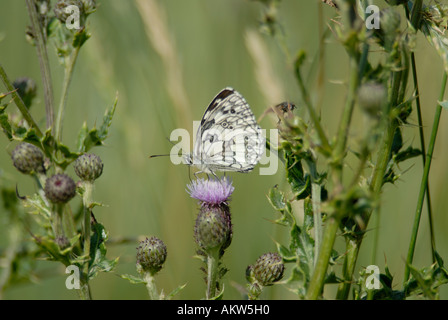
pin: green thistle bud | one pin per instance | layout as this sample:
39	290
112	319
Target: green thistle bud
88	167
267	269
26	88
28	158
213	228
151	255
89	6
60	188
60	9
372	97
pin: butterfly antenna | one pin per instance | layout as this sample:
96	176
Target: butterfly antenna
170	141
158	155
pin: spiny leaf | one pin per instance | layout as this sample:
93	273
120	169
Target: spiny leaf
434	34
132	279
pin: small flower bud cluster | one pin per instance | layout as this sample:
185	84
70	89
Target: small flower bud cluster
61	9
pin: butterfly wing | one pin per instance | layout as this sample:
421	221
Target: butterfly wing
229	137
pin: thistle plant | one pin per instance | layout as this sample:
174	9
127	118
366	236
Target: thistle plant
213	228
328	199
58	234
346	205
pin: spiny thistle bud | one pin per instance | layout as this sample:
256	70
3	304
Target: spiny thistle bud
267	269
151	255
88	167
60	188
26	88
213	229
62	241
371	97
28	158
62	13
89	6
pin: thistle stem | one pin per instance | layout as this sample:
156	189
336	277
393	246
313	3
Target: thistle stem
312	112
63	102
318	278
151	286
43	61
212	273
424	181
317	216
19	102
422	146
87	202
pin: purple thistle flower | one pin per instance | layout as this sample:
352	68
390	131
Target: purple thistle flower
211	192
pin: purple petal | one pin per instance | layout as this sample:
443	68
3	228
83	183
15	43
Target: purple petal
211	191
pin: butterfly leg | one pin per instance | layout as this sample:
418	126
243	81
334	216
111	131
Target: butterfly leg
214	174
196	174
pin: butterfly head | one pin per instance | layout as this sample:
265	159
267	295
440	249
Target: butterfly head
188	158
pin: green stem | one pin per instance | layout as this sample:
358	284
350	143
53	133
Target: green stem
63	102
422	146
312	112
317	216
348	268
19	102
57	220
87	202
43	61
318	278
212	273
376	181
344	125
151	286
424	181
416	13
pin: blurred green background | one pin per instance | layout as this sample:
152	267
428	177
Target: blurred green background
206	45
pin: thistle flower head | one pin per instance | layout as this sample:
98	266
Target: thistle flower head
60	188
28	158
151	255
267	269
88	167
211	192
213	228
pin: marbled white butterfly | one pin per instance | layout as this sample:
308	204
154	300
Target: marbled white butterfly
228	138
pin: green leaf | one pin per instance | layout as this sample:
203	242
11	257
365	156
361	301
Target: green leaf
99	262
95	137
82	135
80	38
443	104
38	204
176	291
107	121
435	32
286	254
300	183
407	154
133	279
4	123
276	198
